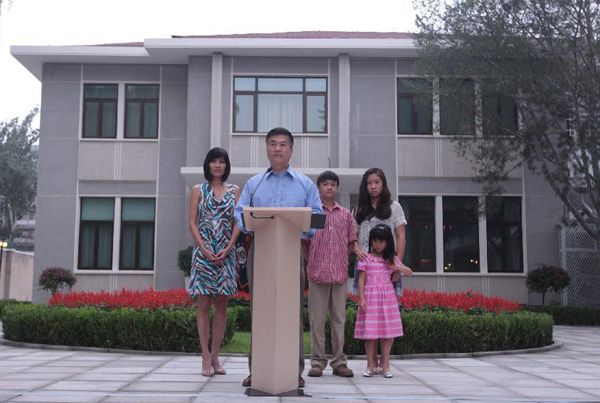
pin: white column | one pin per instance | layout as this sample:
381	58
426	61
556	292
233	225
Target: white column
344	111
483	260
439	235
216	98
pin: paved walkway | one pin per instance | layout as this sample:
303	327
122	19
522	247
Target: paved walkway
571	373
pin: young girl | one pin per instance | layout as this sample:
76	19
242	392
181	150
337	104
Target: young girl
378	316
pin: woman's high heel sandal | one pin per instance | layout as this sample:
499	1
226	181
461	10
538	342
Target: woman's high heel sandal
368	373
219	371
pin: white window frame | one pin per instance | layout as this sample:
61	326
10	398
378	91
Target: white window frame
116	255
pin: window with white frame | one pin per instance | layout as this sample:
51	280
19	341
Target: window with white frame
100	110
104	103
135	240
415	106
296	103
137	234
500	114
96	233
461	234
457	106
504	235
141	110
420	232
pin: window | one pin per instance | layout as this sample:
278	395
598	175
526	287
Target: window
504	235
457	107
262	103
461	234
414	106
420	233
100	110
141	111
137	234
96	233
499	113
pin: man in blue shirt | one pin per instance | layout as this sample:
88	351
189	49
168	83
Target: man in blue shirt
279	186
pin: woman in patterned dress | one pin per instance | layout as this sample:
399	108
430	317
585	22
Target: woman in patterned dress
213	273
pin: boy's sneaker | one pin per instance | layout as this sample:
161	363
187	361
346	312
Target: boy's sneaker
343	371
315	371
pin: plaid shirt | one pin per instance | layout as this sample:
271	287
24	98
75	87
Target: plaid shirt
328	254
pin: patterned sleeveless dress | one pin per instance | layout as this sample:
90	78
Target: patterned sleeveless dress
382	319
215	224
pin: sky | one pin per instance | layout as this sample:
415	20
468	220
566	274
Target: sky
86	22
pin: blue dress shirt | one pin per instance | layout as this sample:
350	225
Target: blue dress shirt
286	189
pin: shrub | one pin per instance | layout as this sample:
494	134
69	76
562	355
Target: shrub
8	302
457	332
569	315
122	328
184	260
54	278
546	278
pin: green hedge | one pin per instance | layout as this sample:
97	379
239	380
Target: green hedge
569	315
446	332
456	332
124	328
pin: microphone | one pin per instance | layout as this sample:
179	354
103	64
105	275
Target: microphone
257	186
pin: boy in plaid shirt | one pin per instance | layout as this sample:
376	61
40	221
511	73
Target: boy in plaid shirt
327	274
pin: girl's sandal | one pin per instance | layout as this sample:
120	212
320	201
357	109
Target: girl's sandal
368	373
207	374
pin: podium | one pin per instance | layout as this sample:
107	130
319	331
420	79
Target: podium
276	295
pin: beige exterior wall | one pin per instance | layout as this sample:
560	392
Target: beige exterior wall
16	275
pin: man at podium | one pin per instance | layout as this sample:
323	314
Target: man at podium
279	186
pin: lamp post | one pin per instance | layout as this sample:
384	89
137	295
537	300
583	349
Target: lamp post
3	244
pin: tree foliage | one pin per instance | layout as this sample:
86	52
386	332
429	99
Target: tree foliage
18	169
544	55
546	278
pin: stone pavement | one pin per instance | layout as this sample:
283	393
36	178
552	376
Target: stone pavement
570	373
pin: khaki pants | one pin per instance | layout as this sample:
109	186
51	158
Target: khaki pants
323	298
250	274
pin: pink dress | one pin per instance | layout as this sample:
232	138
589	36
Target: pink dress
382	319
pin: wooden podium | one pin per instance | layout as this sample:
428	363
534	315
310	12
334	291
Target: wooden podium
276	295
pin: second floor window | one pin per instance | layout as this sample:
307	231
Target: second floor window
457	107
500	115
141	111
262	103
415	111
100	110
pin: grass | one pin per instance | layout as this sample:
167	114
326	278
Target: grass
241	343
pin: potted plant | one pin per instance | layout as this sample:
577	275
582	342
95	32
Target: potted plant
55	278
546	278
184	261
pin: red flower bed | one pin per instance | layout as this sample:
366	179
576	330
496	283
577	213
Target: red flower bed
461	301
179	298
145	299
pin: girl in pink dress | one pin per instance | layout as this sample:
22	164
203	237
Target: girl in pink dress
378	316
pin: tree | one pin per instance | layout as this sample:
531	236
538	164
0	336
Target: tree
18	169
542	55
546	278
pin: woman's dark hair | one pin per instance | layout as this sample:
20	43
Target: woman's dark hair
278	131
364	209
328	176
212	155
383	232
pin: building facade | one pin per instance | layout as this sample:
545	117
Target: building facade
125	129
